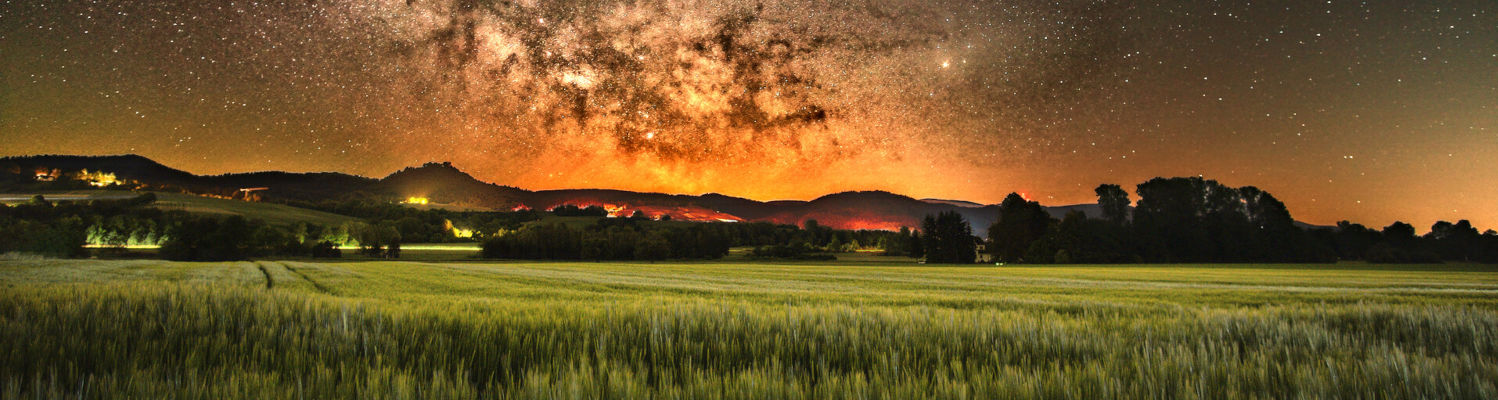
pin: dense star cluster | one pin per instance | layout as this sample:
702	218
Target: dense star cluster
1344	109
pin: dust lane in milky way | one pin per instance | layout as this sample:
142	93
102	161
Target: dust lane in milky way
1371	112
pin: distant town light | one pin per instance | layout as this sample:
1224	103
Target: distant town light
99	179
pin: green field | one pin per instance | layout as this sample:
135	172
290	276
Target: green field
153	329
275	214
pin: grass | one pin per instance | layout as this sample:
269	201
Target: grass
585	222
275	214
67	195
152	329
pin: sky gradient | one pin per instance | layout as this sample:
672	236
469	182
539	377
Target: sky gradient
1367	111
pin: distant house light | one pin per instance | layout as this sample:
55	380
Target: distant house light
99	179
248	194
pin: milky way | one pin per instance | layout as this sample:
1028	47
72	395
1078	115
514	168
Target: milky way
1341	108
706	94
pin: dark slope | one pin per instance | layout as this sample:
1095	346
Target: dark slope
284	185
959	203
443	183
315	186
127	166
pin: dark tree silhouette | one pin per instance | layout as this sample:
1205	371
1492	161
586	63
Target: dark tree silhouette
949	239
1456	241
1114	202
1400	234
1083	240
1020	224
1178	217
915	243
1200	220
1352	241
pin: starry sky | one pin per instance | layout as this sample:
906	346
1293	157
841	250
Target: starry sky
1372	111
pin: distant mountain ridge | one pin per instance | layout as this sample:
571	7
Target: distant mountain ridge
445	184
959	203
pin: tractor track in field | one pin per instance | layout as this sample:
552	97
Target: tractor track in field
315	285
270	283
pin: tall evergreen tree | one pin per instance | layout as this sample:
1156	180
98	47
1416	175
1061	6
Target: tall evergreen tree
1021	223
948	239
1114	202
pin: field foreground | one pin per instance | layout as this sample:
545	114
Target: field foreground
152	329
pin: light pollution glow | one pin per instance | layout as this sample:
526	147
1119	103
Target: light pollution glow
1345	110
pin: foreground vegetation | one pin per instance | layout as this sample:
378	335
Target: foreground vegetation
153	329
193	228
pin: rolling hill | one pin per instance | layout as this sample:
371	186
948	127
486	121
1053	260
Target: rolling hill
446	185
274	214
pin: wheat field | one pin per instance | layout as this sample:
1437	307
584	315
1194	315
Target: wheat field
367	330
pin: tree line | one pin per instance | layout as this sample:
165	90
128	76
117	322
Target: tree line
1174	220
64	229
639	238
1189	220
426	225
631	238
412	225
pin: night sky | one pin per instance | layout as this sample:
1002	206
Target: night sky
1371	111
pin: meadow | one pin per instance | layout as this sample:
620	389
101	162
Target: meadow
734	329
275	214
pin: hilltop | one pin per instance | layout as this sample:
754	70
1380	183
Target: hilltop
445	184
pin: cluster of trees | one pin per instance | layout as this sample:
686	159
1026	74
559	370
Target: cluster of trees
63	229
42	228
639	238
15	179
210	238
944	238
1397	243
792	251
427	225
380	240
1192	220
905	243
948	239
413	225
1176	220
611	239
822	238
813	241
568	210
